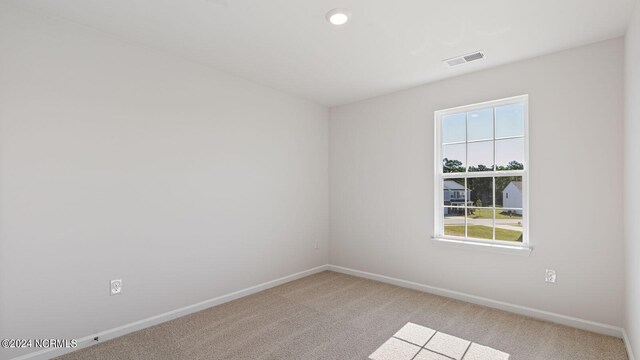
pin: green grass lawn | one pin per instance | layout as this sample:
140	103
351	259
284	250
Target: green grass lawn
483	232
487	214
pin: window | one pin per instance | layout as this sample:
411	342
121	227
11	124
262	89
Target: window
481	158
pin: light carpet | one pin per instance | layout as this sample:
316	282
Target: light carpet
334	316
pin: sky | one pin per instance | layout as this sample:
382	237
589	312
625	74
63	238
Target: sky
479	126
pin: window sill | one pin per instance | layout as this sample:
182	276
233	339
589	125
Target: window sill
521	250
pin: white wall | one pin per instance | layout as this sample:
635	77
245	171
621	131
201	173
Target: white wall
119	161
515	201
381	178
632	179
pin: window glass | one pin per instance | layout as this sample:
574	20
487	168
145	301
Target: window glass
454	222
453	128
480	223
454	158
480	125
480	191
510	154
509	225
453	191
480	156
509	190
510	120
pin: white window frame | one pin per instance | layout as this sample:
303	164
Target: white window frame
523	248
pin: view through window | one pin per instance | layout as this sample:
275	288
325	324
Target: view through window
481	152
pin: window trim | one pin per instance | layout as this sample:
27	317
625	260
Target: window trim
502	246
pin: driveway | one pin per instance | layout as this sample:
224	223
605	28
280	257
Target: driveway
507	224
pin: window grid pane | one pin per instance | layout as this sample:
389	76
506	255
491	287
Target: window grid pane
510	120
454	128
480	224
454	158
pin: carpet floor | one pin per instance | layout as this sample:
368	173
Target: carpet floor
335	316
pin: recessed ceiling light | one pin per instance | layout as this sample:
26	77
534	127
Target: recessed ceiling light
338	16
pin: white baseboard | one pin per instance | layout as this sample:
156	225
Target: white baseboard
170	315
627	343
518	309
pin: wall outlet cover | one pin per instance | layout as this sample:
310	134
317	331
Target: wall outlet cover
116	287
550	276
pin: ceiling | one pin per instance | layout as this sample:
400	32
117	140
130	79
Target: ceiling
387	45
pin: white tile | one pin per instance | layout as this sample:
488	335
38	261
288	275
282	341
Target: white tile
415	334
428	355
448	345
395	349
479	352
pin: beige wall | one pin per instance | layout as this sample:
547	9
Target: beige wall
118	161
632	180
381	178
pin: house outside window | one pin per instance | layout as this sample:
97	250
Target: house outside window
481	175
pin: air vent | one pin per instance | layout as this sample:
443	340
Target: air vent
459	60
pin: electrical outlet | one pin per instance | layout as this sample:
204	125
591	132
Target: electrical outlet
550	276
116	287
